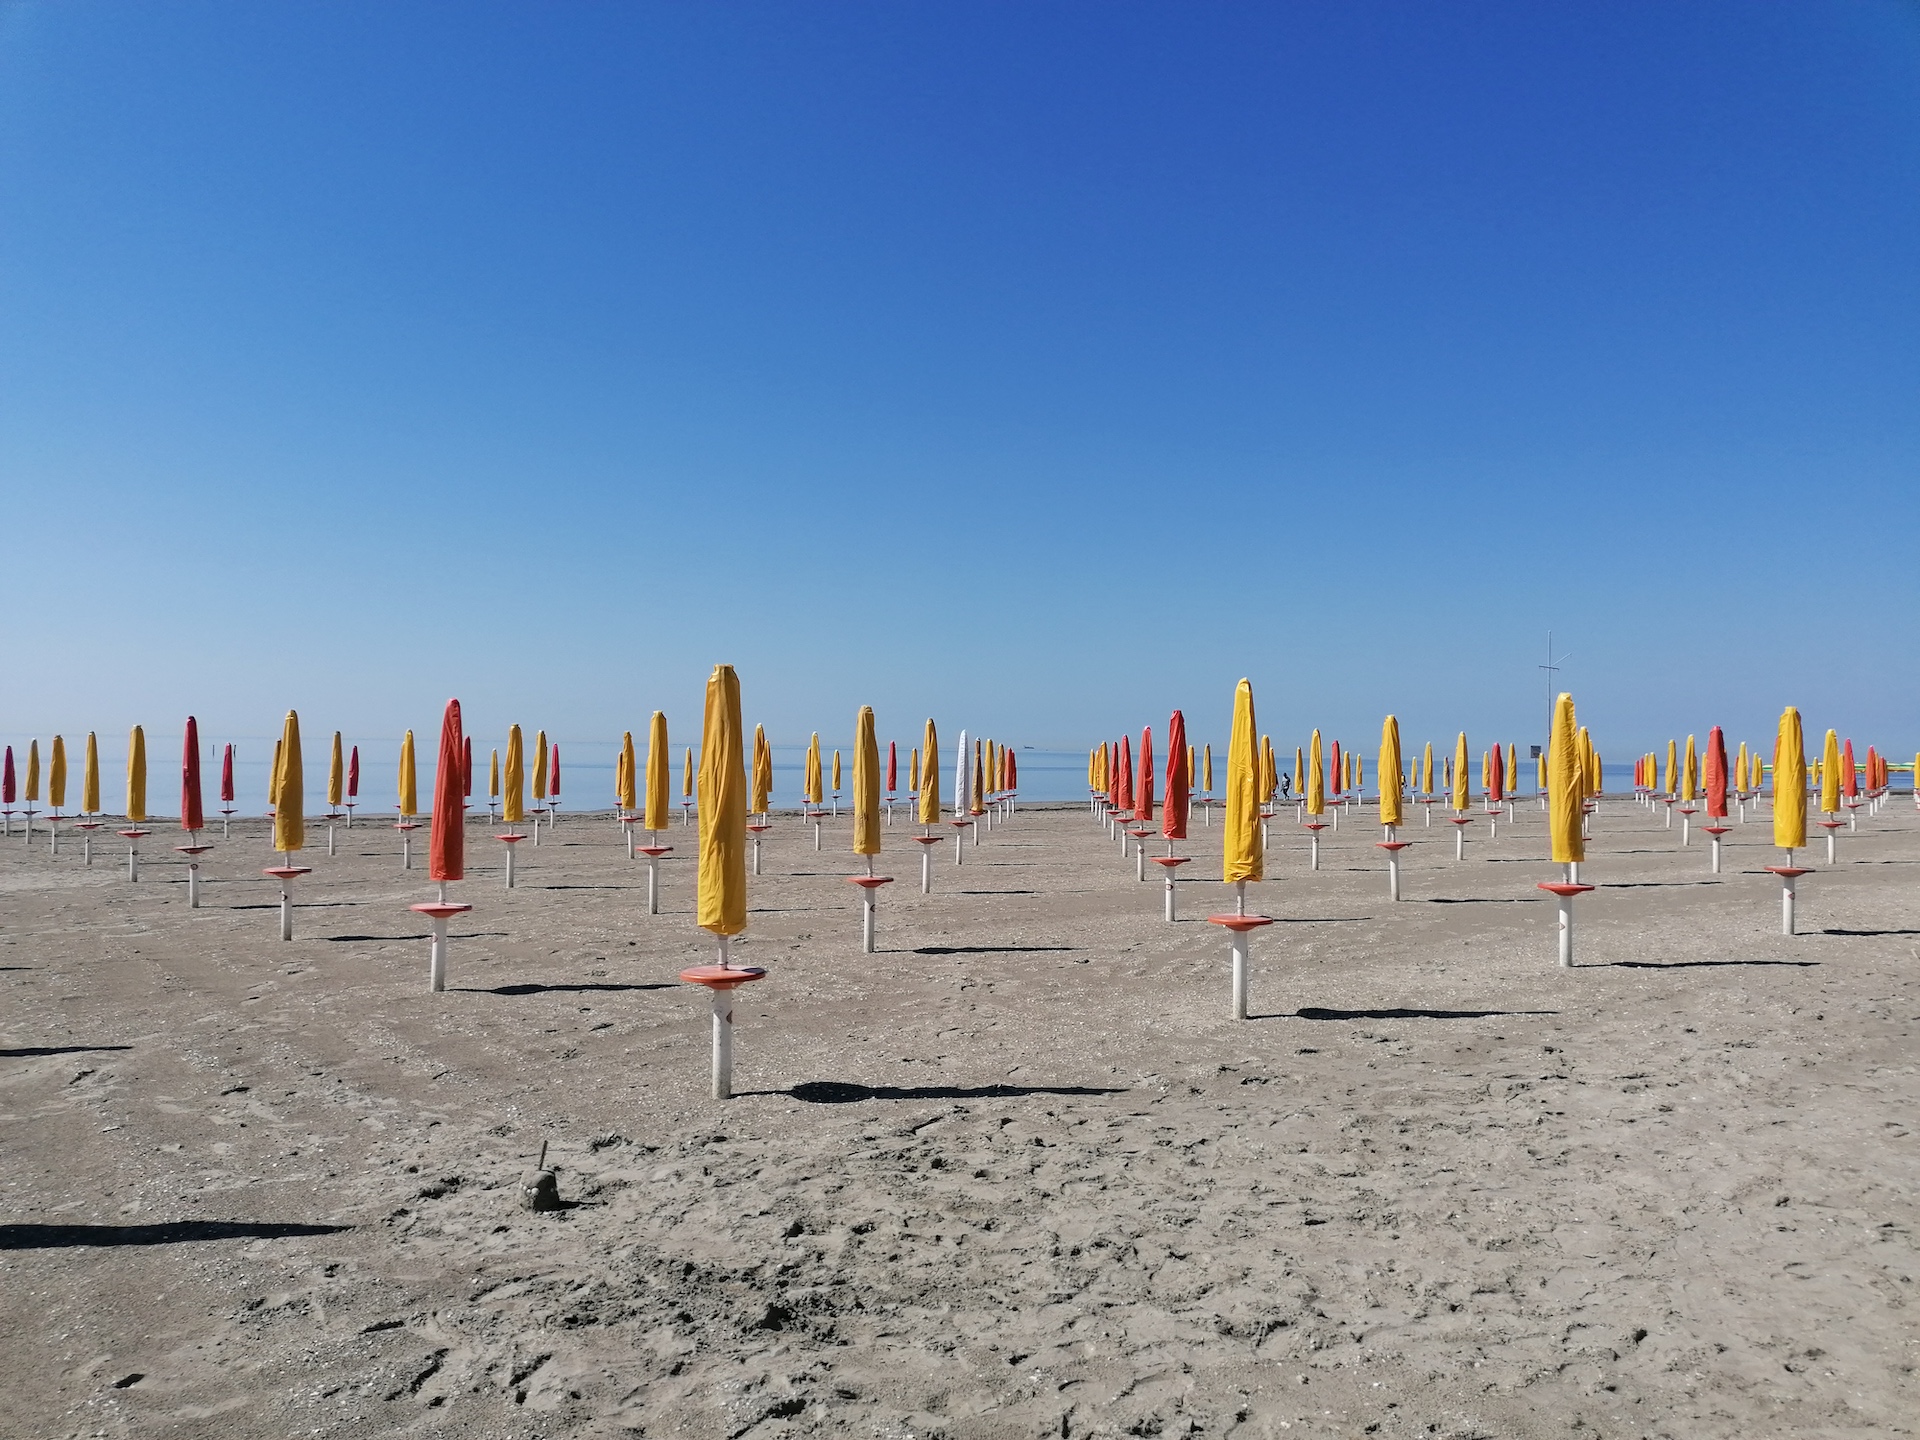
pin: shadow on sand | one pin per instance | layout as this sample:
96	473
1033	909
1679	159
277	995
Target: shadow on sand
29	1052
844	1092
166	1232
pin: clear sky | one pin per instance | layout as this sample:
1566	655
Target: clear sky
1035	366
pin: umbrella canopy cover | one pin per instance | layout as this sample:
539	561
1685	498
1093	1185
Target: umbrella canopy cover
493	775
1459	797
290	793
1173	819
447	857
409	779
90	776
1241	857
1390	780
336	775
1830	773
723	808
191	815
1790	783
1316	778
137	774
513	803
57	774
814	789
1566	784
927	782
353	773
762	795
659	772
893	768
629	784
1690	772
540	766
866	784
1125	801
962	773
1716	774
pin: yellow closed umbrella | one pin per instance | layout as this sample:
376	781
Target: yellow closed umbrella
1690	773
762	797
1486	773
813	788
836	773
137	774
57	774
33	771
659	760
539	768
90	778
1740	770
629	774
1672	787
975	805
722	905
493	776
1829	774
1426	771
290	793
1206	768
1790	784
1269	777
1241	858
1566	785
686	776
1390	777
1460	800
336	776
913	771
866	786
409	785
513	806
928	780
1316	778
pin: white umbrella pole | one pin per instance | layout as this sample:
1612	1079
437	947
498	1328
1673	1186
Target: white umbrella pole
437	964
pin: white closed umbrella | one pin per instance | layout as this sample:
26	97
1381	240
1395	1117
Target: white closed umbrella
962	796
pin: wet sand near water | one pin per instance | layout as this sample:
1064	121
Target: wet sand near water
1016	1175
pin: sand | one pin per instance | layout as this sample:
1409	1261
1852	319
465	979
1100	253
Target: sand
1016	1175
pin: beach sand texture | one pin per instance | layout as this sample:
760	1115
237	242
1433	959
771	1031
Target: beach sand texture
1016	1175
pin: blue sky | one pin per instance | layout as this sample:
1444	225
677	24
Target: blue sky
1035	366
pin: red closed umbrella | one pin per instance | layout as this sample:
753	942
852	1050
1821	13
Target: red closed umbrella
466	765
1013	772
1497	776
553	775
447	860
893	768
7	789
1143	802
191	817
1173	817
353	774
1124	801
1339	770
226	776
1716	774
1873	768
1849	784
1113	773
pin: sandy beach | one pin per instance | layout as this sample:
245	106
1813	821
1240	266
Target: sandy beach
1016	1175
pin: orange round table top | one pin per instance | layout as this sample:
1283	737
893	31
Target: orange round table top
722	977
1461	819
1240	922
1169	860
1314	825
87	824
406	825
959	823
509	839
755	828
653	852
1140	832
1392	844
288	872
1716	829
136	834
1830	824
1562	889
1787	872
192	849
440	909
869	882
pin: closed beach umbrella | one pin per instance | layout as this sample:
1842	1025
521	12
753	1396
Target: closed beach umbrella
1830	773
629	787
762	796
1299	772
1316	778
1339	769
686	776
723	809
1790	783
927	777
336	775
353	773
1426	771
290	796
836	772
659	761
553	773
191	815
1460	772
893	768
1206	769
447	858
814	790
1740	770
1716	774
1849	785
1241	858
1143	787
1496	777
1125	800
466	766
1690	773
1566	785
33	771
962	775
1269	771
493	774
514	798
137	774
90	776
409	784
977	799
57	773
866	784
1672	787
1173	820
9	791
540	766
913	771
1390	796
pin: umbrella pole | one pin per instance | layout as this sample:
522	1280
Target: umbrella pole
756	854
1140	861
437	961
1566	931
653	884
1313	839
926	869
1171	872
286	903
866	916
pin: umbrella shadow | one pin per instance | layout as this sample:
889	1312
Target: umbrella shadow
1478	899
988	949
1698	964
1317	1012
1650	884
30	1052
453	935
302	905
533	988
847	1092
166	1232
1320	919
586	887
993	892
1870	932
